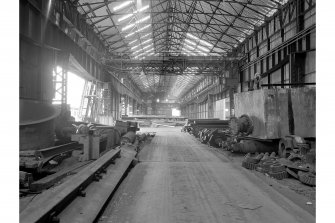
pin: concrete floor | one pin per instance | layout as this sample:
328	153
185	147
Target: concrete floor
180	180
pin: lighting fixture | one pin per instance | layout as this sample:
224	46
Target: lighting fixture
144	27
193	37
188	46
190	42
203	48
206	43
143	19
124	17
142	9
131	14
137	22
133	41
200	40
130	34
203	54
147	46
121	6
146	41
145	35
141	54
128	27
137	51
134	47
149	50
190	53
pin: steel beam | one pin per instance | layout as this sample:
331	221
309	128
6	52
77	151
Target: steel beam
54	201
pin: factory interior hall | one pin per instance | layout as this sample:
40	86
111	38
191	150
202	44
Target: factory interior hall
167	111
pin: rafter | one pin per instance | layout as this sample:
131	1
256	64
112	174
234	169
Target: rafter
221	23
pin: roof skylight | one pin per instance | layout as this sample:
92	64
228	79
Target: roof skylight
121	6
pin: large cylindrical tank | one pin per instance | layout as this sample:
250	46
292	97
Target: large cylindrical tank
37	128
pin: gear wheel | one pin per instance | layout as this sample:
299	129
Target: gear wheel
277	167
273	155
251	160
292	173
266	165
295	158
266	156
278	175
250	166
307	178
299	168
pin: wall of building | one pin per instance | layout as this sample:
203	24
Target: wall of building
213	104
160	108
48	38
283	48
282	51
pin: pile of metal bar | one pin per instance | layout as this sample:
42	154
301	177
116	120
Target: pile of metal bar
209	131
199	125
213	137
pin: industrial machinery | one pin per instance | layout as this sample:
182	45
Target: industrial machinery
285	117
195	126
277	120
96	141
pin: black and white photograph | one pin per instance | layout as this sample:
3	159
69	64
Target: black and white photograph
167	111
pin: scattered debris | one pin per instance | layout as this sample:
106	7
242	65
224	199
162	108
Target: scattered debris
292	173
245	206
307	178
278	175
280	168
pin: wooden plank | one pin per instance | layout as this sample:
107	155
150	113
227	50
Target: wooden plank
55	199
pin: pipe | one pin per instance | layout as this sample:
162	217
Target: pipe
209	119
211	122
252	146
